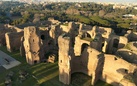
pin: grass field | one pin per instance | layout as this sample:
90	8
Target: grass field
41	74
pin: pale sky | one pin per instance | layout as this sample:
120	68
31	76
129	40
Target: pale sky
121	1
118	1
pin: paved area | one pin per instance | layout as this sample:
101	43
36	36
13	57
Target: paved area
7	61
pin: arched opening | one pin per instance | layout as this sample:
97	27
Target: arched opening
115	43
86	35
135	44
135	72
122	71
35	61
126	71
60	61
83	47
34	53
102	45
42	37
115	58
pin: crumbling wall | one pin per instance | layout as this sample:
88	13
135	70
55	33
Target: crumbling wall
132	45
2	38
115	70
32	44
22	50
108	68
132	36
91	63
55	32
13	41
48	46
97	42
2	35
81	43
65	55
7	28
13	28
116	43
38	44
106	32
53	21
128	55
64	28
78	45
73	31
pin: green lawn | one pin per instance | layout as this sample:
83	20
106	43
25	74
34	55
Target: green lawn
42	74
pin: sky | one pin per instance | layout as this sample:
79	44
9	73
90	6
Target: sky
117	1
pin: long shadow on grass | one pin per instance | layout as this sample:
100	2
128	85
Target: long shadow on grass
36	66
47	75
42	67
53	82
77	79
80	79
46	72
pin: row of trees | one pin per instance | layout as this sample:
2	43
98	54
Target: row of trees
88	13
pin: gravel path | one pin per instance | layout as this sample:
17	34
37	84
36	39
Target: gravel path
7	61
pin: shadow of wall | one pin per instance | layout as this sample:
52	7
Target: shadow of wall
90	63
115	43
127	55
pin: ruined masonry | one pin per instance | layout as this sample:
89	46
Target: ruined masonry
93	50
32	45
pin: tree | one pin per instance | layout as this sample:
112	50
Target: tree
36	20
102	13
72	11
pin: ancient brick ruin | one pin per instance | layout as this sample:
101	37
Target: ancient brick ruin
92	50
91	55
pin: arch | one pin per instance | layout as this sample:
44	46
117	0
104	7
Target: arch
115	58
83	46
35	61
86	35
43	37
135	72
115	43
135	44
103	43
122	71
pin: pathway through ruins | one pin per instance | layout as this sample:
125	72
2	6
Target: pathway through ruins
7	61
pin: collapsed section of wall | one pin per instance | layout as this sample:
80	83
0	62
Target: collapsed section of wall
13	41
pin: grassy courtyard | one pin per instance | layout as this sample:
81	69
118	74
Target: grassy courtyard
41	74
